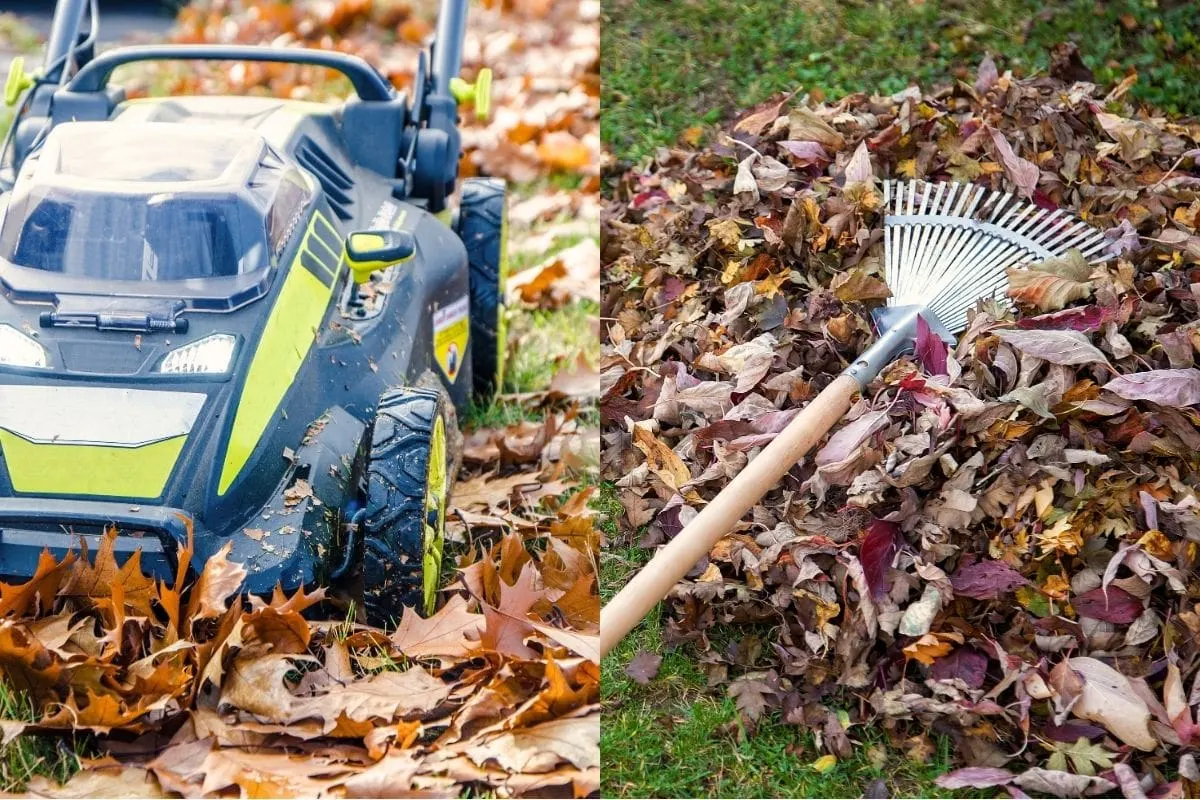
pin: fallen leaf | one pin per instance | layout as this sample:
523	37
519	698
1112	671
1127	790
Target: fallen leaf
1057	347
1053	283
1174	388
1112	604
986	580
1108	698
643	666
1024	174
974	778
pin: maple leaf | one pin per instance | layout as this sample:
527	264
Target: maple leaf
930	647
751	693
726	231
1086	758
1061	537
643	666
42	588
95	582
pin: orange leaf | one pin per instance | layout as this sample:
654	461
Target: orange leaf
41	589
561	150
453	632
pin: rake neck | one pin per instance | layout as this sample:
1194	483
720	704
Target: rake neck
897	327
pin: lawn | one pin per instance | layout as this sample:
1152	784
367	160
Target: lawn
677	67
675	71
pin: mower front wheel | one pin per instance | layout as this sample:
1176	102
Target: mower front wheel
408	486
483	228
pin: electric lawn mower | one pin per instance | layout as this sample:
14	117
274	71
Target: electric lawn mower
255	320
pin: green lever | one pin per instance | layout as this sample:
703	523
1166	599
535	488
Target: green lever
480	92
18	81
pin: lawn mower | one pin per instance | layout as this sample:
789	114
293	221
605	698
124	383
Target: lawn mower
245	321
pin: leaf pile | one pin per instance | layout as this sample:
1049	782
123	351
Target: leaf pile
544	56
999	542
204	692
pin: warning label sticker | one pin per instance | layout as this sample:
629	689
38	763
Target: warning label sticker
451	327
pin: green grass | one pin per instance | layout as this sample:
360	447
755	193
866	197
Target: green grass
545	342
669	66
30	754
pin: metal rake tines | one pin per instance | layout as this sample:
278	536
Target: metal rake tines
947	245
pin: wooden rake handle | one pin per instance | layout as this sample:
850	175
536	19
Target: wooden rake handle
674	560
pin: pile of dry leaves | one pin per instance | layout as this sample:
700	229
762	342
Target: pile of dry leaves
999	543
196	692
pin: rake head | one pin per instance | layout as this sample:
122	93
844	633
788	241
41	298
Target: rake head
947	245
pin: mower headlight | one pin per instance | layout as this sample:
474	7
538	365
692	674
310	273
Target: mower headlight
19	350
211	355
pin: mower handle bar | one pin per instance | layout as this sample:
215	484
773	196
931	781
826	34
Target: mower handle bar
367	82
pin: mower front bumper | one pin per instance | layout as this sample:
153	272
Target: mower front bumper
29	526
281	543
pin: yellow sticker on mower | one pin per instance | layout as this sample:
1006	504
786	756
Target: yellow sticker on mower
451	329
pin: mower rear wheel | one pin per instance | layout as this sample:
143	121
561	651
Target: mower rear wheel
483	228
408	484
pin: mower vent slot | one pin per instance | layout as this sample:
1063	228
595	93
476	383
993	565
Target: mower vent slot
338	185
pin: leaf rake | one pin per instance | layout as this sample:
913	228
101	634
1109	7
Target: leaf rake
946	246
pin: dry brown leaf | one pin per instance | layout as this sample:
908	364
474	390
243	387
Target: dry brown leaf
220	580
661	459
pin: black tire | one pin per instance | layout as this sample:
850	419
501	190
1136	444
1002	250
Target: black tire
483	228
398	480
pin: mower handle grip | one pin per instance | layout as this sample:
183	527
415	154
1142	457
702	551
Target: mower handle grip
367	82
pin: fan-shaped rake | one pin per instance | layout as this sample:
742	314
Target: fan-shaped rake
946	246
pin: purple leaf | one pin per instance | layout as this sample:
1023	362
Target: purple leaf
1174	388
986	580
1024	174
1083	319
805	153
843	443
1058	347
1071	731
974	778
876	553
968	664
1124	239
931	350
643	667
1113	604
